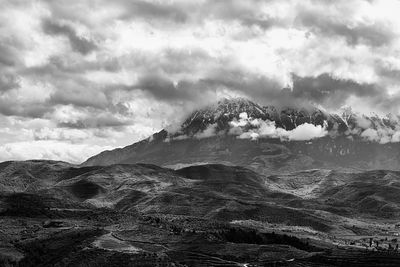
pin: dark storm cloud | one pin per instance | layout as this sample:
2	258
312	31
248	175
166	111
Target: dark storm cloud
70	88
8	54
166	90
322	90
158	86
306	92
204	90
63	68
157	11
260	88
80	44
13	108
106	120
180	60
64	65
79	95
392	74
8	81
192	12
332	92
161	88
248	14
78	98
152	61
374	34
262	23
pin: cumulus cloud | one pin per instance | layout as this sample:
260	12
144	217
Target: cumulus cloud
73	135
249	128
208	132
353	29
373	129
307	131
8	81
381	133
175	133
326	88
50	149
78	43
129	68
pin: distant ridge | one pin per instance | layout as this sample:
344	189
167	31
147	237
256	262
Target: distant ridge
224	133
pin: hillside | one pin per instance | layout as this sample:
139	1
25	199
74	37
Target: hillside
230	133
218	214
217	191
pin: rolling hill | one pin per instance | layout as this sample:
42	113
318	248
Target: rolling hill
212	213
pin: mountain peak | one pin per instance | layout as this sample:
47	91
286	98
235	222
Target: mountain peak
221	113
233	106
218	133
235	101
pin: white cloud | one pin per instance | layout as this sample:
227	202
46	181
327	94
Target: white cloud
307	131
381	134
243	120
73	135
208	132
249	128
54	150
210	48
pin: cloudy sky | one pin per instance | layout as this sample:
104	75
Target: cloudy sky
78	77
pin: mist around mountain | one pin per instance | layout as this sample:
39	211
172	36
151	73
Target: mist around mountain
241	132
236	184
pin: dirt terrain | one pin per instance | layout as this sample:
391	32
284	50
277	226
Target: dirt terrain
57	214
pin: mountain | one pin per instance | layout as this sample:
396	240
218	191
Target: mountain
227	110
237	184
265	139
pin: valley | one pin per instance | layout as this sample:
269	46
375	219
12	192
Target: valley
205	215
201	197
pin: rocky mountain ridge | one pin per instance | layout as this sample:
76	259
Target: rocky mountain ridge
344	122
241	132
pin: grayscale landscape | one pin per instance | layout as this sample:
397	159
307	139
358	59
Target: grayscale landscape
199	133
216	200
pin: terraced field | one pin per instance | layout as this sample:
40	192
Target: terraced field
203	215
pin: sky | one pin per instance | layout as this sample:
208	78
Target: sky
80	77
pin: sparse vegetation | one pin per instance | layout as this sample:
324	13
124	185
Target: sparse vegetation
213	214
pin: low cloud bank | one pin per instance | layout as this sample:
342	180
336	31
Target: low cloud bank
49	149
372	129
381	133
248	128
